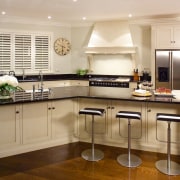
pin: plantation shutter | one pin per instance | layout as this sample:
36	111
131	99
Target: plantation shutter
29	51
5	52
22	52
41	53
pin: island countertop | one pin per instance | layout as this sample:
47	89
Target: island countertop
110	93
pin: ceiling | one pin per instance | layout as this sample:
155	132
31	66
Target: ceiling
68	11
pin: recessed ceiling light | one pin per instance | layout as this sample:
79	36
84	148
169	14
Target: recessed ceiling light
74	0
49	17
130	15
84	18
3	12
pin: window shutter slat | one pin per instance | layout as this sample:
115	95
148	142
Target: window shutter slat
22	52
42	53
5	51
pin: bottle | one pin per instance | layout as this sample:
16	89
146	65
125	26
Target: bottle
136	77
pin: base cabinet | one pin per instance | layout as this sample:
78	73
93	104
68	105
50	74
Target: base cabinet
49	120
109	133
62	119
120	126
101	130
36	122
10	126
152	110
31	126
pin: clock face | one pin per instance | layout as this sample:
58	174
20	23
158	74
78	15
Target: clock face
62	46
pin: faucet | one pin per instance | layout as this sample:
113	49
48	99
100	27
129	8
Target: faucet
41	80
23	74
11	73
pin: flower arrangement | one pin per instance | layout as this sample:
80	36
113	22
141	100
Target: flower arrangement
8	85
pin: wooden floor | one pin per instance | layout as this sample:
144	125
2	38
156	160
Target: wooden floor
64	163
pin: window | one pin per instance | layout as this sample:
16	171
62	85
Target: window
22	51
5	52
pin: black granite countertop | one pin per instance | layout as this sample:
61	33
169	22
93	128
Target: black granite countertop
109	93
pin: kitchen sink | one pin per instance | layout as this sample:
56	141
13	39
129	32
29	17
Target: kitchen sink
29	95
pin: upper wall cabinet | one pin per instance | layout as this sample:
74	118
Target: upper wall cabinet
167	36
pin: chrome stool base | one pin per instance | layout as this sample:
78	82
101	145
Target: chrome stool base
133	162
89	156
162	166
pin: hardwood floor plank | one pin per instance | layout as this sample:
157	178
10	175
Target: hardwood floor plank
64	162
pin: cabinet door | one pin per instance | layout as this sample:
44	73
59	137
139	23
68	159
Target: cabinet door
36	122
63	120
9	125
120	131
100	122
177	37
164	37
153	109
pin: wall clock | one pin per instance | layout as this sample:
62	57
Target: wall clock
62	46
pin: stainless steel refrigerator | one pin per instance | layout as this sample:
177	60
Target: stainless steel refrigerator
167	70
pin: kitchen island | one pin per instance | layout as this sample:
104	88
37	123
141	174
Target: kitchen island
31	124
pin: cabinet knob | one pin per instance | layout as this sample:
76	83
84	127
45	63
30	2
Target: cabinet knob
149	110
108	107
112	107
49	108
17	112
53	108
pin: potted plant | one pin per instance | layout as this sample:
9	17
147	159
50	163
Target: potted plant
8	85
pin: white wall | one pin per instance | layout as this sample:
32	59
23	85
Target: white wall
79	37
112	64
61	64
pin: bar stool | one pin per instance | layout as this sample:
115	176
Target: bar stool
167	166
129	160
92	154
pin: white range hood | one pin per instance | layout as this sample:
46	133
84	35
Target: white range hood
111	37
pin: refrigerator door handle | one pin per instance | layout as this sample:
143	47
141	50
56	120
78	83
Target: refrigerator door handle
170	67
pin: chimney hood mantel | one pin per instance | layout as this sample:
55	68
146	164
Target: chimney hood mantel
111	37
111	50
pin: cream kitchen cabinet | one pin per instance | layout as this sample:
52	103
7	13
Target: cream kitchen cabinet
101	123
36	122
167	36
48	120
152	110
63	120
108	133
10	126
119	132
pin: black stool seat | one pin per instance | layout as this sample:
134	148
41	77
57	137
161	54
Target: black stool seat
167	166
92	154
168	117
92	111
128	114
